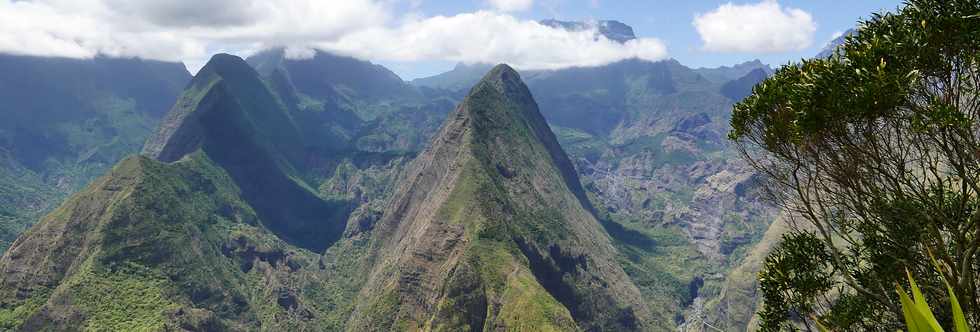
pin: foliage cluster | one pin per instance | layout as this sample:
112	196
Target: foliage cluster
876	152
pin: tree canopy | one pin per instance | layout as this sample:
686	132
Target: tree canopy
875	151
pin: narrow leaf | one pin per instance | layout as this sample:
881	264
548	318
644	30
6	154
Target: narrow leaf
921	306
959	320
907	308
820	326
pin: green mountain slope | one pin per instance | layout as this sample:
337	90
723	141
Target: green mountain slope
220	234
66	121
491	230
230	114
155	246
727	73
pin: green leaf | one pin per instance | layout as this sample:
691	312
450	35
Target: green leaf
921	306
907	308
820	326
959	320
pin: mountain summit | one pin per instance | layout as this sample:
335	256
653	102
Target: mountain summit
491	230
832	46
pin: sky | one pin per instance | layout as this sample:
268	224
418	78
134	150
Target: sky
417	38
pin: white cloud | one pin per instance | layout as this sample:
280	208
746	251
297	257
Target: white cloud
491	37
764	27
187	30
511	5
76	30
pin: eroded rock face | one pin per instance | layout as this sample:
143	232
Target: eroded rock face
675	191
717	191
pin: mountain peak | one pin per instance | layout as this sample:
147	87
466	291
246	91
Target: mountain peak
226	88
493	206
502	71
505	80
832	47
752	63
223	64
230	115
221	59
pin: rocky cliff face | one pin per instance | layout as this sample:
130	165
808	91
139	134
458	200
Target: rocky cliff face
492	230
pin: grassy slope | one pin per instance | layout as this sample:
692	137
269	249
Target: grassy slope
176	244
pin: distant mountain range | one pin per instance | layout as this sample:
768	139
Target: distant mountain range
326	193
